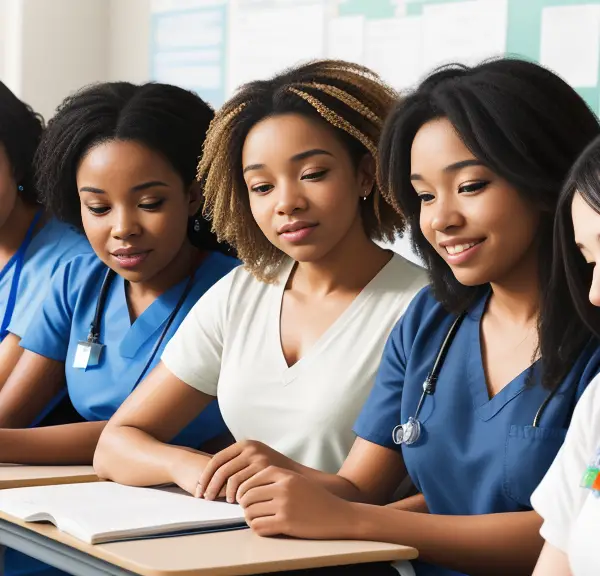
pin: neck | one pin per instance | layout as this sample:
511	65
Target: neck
14	229
178	269
350	266
517	297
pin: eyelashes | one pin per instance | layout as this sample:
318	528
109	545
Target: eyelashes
148	207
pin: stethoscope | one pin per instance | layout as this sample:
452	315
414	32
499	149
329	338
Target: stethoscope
410	432
93	337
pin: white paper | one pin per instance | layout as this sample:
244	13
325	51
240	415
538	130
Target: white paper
466	32
345	38
263	42
570	43
394	49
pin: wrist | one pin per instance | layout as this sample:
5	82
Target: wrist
357	524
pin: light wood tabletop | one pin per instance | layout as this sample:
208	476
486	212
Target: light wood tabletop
224	553
17	476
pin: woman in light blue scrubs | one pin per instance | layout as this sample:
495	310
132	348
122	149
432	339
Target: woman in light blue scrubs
475	159
32	244
117	161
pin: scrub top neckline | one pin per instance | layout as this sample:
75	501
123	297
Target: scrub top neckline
487	407
288	372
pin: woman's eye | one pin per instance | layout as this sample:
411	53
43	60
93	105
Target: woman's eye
98	209
472	187
152	205
262	188
314	175
424	197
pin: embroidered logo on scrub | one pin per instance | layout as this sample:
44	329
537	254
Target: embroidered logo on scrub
591	476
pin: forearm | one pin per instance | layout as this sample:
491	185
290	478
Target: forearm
481	545
334	483
65	444
133	457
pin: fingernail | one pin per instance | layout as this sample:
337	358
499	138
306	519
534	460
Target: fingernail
199	491
229	499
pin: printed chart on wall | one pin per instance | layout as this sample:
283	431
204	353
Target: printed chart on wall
214	46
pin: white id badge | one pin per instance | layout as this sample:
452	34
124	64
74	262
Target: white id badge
87	354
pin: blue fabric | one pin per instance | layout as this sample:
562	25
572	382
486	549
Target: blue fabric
53	245
476	455
64	320
96	393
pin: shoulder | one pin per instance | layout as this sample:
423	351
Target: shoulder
80	271
63	237
405	273
587	366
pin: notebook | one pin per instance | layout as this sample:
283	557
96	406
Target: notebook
99	512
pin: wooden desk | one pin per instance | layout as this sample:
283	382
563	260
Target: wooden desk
17	476
216	554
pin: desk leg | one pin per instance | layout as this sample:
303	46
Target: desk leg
2	555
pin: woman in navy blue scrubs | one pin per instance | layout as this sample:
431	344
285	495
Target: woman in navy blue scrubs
475	159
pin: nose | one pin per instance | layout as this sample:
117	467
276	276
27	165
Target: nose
443	214
594	294
125	224
290	199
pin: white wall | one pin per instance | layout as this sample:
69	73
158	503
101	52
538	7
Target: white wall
129	40
63	47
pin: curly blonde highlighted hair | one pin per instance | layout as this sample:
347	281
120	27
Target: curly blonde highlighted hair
352	99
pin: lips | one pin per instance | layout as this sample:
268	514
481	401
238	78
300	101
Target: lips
295	226
459	248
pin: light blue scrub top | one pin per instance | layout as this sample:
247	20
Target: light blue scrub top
54	244
64	320
476	455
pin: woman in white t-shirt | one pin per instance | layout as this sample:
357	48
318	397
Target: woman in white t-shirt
289	343
568	498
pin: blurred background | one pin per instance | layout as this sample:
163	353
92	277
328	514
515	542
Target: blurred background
48	48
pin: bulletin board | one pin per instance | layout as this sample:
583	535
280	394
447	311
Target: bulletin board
213	46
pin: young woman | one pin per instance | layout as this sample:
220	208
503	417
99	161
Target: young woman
475	158
32	245
119	162
567	498
291	342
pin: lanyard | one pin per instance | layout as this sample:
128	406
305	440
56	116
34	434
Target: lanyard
17	262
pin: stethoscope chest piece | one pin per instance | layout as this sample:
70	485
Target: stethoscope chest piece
407	433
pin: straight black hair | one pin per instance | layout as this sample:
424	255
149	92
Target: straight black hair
570	320
521	121
167	119
20	132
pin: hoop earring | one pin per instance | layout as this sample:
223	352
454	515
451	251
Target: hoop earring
196	225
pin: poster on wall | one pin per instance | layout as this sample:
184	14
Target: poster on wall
189	42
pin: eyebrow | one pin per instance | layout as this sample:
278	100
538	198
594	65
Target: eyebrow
138	188
294	158
453	167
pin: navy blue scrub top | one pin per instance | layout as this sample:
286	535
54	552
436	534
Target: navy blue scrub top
64	320
476	454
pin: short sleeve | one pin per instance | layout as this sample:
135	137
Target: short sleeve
195	351
381	412
559	497
49	330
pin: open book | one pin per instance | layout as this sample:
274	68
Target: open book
100	512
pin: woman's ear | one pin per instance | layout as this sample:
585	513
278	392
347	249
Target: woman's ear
195	198
366	175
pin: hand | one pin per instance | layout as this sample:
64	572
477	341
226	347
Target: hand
278	501
186	469
231	467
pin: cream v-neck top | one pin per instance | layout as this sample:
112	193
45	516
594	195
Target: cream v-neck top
229	346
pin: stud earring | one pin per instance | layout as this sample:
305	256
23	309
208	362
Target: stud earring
20	188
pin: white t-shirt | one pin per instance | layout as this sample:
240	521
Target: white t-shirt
571	512
229	346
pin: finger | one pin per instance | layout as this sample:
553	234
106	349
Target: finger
264	477
266	526
222	475
260	494
233	483
216	462
259	510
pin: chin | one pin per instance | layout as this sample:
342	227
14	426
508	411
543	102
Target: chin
471	277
